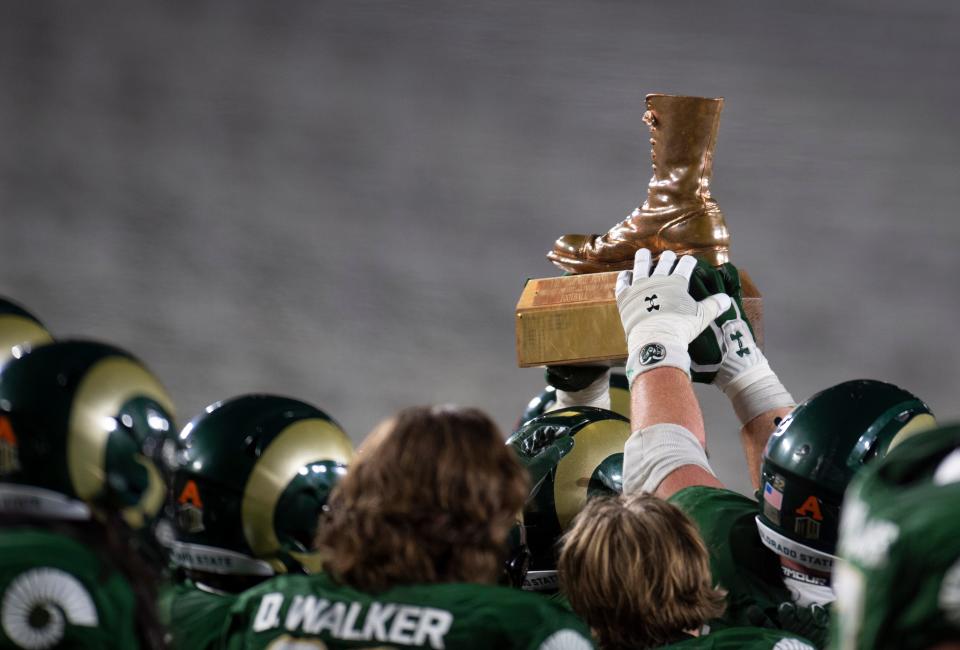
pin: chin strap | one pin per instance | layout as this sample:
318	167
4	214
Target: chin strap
41	503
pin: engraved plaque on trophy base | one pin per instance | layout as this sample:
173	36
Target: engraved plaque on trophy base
574	319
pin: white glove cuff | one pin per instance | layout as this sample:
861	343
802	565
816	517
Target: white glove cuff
651	454
747	377
657	355
596	394
757	391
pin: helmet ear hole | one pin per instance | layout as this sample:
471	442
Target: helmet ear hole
250	446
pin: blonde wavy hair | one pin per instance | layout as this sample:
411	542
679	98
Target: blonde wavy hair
635	568
429	498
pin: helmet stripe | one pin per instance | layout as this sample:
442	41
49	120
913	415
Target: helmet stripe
105	388
593	444
917	424
16	330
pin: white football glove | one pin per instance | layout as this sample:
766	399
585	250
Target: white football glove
745	375
659	316
741	354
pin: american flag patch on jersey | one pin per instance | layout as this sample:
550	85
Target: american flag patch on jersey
771	496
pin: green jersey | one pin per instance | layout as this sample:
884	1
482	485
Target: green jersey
288	612
739	561
560	599
195	617
744	638
56	592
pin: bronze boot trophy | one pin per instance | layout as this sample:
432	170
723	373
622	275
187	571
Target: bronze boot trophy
679	213
574	319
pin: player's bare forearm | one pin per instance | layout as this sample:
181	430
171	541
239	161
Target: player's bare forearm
754	436
745	377
666	395
667	449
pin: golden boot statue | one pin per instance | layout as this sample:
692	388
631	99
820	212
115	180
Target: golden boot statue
679	213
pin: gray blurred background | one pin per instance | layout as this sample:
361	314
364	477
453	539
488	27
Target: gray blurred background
341	201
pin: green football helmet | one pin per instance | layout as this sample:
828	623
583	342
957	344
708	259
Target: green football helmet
251	482
572	455
20	331
79	422
898	576
816	451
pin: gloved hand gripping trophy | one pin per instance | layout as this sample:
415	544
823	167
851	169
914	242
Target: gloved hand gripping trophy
662	318
727	355
659	315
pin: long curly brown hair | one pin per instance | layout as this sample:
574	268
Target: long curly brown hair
430	498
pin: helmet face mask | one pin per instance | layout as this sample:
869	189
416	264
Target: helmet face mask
251	480
816	451
592	466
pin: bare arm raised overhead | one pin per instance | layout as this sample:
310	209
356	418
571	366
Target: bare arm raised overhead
666	451
726	355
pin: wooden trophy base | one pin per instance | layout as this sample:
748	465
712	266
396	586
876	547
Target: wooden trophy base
574	319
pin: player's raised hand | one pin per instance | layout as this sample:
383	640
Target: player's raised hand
726	353
659	316
730	334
